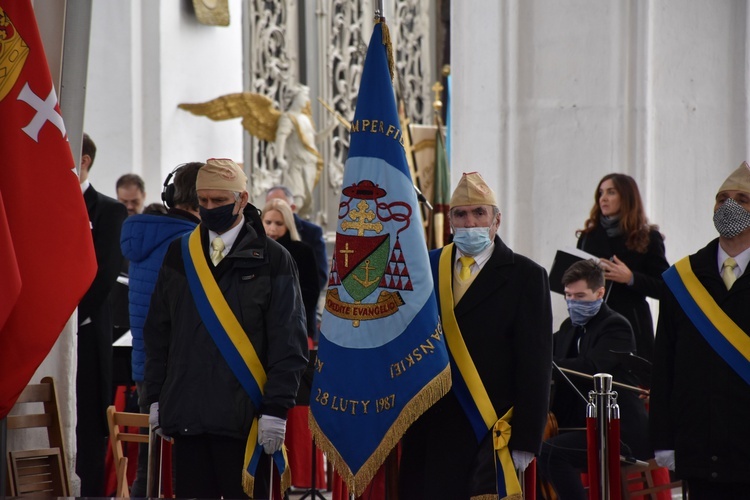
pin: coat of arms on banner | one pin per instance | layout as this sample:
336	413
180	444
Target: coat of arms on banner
370	271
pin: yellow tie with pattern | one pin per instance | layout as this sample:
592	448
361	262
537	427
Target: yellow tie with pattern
727	272
218	250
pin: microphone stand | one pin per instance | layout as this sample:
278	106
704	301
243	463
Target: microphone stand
313	492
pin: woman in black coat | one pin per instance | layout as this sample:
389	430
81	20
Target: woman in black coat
632	253
278	221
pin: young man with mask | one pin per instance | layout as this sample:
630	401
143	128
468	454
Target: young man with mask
225	323
592	340
700	396
497	320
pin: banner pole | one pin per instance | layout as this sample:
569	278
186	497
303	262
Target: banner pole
380	10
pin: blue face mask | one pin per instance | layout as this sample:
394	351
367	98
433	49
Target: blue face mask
218	219
471	240
581	311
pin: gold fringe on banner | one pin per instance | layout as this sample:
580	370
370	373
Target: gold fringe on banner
430	393
248	483
490	496
388	45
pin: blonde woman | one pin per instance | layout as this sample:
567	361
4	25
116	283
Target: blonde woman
278	222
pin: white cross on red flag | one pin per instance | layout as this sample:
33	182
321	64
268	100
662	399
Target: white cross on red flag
47	259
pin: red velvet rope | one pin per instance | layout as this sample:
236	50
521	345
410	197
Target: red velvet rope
613	441
592	453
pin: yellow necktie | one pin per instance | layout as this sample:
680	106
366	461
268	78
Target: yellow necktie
727	272
464	280
218	250
465	272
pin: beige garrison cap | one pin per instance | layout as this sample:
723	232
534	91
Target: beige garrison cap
739	180
472	190
221	173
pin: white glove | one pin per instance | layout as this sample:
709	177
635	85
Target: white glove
271	432
153	421
521	459
665	458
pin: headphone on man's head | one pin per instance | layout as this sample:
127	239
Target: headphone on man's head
167	192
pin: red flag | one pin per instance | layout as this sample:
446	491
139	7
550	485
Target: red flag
10	276
50	234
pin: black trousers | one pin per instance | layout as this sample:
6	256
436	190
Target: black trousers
702	489
561	462
209	466
91	412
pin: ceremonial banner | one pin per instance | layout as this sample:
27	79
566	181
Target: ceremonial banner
50	233
442	193
382	359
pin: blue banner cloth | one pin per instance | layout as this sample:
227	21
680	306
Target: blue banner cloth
382	359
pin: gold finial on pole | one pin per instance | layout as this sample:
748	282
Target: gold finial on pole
437	104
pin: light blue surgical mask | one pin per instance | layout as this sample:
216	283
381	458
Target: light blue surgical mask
471	240
581	311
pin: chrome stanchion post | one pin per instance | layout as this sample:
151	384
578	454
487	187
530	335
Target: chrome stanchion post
603	390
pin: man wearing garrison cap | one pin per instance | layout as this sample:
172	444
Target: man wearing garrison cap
496	316
700	394
226	295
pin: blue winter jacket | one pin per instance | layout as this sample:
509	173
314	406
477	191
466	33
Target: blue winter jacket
144	241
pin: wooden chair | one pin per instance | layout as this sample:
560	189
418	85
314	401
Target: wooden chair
641	475
37	472
41	471
119	421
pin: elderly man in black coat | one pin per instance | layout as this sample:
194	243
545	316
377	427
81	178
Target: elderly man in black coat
700	396
495	307
199	383
592	340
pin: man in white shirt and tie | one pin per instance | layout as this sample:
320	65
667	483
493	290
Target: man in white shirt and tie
496	315
700	396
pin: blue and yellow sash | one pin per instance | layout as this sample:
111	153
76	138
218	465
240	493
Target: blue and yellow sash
469	389
722	334
235	346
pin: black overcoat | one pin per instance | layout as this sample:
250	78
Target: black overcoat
699	406
506	321
94	387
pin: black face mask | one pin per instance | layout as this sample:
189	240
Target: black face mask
218	219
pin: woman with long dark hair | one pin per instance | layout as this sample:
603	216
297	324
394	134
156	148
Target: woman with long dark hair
631	252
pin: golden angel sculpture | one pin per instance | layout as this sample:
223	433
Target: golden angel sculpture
292	133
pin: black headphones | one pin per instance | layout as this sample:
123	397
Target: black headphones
167	192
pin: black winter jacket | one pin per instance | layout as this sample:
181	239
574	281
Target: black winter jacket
185	372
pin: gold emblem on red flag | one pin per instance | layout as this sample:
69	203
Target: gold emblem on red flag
13	53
